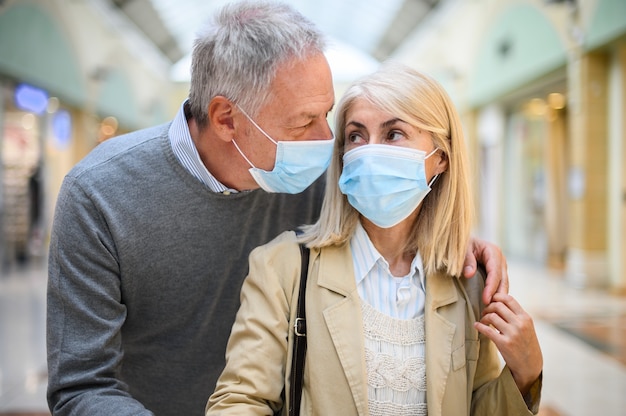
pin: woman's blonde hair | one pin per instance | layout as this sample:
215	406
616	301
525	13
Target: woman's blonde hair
442	229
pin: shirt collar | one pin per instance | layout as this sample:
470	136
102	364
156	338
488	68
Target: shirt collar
187	154
368	254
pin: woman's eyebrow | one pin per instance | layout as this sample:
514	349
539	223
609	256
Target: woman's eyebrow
356	124
391	122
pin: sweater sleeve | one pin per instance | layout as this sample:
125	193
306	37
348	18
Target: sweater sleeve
85	313
257	351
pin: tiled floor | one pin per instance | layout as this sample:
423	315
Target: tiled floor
582	334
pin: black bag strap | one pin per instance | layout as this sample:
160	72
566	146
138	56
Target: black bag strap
299	343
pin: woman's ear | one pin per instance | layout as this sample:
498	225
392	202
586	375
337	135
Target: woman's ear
442	164
220	114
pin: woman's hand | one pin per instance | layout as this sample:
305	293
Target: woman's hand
508	325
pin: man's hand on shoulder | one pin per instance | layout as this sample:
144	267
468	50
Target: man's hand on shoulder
490	255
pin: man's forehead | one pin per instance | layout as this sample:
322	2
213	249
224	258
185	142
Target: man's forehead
303	76
307	112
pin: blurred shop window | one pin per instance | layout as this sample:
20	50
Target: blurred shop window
21	183
37	149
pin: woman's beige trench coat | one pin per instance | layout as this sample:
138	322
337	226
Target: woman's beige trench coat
463	369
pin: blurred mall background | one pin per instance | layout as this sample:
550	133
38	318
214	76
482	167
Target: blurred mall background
540	84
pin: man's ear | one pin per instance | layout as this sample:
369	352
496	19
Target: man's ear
220	114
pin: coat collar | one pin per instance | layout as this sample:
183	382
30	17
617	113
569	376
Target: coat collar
336	271
344	318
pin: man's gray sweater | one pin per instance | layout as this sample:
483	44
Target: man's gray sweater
145	269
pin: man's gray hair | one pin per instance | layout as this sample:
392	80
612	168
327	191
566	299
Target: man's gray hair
237	55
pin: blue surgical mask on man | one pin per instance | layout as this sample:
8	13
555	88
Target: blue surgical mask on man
385	183
298	163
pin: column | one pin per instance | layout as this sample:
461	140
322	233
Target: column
586	260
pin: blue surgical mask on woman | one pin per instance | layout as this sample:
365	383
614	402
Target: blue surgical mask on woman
385	183
298	163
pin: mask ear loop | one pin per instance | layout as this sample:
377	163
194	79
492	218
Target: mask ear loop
244	156
256	125
259	128
434	178
431	153
432	181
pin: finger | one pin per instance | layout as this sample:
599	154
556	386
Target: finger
489	255
477	249
510	302
492	283
504	282
469	265
488	331
494	278
497	321
502	310
497	271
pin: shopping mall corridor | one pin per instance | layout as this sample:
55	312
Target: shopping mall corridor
582	333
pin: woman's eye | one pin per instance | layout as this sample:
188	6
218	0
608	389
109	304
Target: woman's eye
395	136
354	137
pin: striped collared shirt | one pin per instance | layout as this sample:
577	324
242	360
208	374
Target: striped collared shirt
186	152
399	297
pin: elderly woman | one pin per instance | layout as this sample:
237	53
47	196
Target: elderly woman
391	328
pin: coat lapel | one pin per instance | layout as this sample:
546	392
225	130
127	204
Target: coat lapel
440	291
344	319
